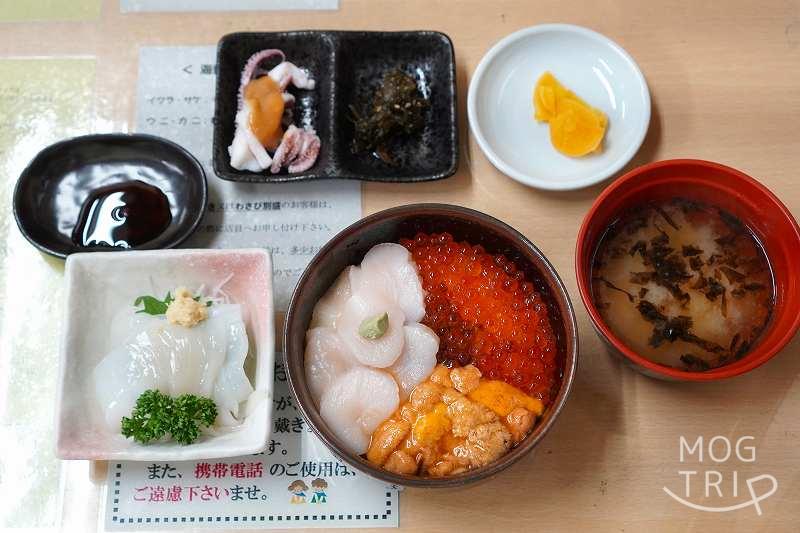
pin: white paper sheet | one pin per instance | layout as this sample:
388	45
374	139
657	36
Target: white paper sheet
175	99
254	491
127	6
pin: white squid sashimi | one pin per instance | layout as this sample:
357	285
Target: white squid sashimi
380	352
417	360
232	386
357	403
326	359
329	307
204	360
389	269
122	376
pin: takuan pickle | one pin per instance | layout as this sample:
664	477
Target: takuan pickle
576	128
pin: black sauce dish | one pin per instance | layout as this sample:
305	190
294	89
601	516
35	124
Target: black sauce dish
52	192
348	66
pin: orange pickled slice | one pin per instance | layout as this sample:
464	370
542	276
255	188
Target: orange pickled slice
576	128
545	95
265	98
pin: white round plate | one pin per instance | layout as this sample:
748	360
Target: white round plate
500	104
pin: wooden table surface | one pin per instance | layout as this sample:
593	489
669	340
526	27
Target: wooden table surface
725	84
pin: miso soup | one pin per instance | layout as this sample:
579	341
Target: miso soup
683	284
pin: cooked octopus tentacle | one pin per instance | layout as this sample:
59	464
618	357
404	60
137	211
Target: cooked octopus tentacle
252	70
287	72
298	148
308	153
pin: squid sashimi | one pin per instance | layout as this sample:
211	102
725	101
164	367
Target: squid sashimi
232	387
356	403
389	269
264	115
417	360
205	360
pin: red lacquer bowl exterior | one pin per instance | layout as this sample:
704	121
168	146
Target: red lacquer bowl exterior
730	190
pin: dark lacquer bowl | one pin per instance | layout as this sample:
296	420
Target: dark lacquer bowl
347	67
736	193
53	187
350	246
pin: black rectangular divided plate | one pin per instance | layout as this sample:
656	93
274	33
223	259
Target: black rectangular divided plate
347	67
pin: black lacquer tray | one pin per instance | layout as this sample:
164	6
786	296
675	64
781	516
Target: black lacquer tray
347	67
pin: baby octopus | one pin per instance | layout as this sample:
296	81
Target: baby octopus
264	118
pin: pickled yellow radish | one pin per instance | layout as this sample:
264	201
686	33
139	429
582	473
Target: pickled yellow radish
576	128
576	131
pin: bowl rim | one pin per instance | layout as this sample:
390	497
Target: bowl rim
533	181
746	363
26	174
530	442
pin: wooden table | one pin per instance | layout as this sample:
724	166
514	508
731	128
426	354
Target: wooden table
725	84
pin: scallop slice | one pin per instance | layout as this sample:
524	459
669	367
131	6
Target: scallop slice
329	307
326	359
389	269
380	352
356	403
417	360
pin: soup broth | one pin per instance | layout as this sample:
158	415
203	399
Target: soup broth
683	284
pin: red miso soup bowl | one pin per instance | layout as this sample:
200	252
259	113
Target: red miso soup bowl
730	190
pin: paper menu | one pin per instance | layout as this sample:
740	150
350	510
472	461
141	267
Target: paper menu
295	482
175	99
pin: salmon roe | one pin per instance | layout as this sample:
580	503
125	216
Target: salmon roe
487	313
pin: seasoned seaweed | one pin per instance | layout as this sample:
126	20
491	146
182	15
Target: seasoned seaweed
691	250
611	286
732	275
397	108
672	328
665	216
694	363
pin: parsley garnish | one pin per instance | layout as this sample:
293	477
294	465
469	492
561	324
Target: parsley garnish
156	414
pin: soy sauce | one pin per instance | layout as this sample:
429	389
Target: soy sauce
122	215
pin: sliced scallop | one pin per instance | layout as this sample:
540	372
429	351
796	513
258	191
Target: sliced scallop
389	269
380	352
326	359
356	403
417	360
329	307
